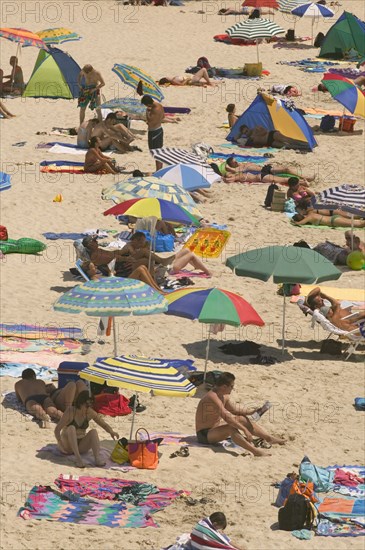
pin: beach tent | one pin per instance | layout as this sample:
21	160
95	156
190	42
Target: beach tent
54	75
348	33
273	114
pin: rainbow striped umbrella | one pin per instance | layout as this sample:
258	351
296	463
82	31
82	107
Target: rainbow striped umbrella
112	297
132	76
152	187
212	306
139	374
23	37
58	35
345	91
158	208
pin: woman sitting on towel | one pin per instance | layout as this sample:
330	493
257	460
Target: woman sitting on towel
71	434
260	137
96	162
201	78
297	191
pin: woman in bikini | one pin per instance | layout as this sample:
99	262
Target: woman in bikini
297	191
201	78
232	117
71	433
96	162
331	221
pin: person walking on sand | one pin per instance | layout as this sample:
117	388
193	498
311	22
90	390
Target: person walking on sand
218	418
90	81
155	114
71	433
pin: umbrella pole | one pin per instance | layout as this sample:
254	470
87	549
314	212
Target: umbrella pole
342	119
133	416
153	242
206	355
283	329
352	232
312	31
115	338
257	50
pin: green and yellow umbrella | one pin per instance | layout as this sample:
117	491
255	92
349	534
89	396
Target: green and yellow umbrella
133	77
58	35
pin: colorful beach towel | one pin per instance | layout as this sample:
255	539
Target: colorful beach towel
62	167
5	182
44	358
10	343
15	370
258	150
10	401
217	156
205	537
50	332
345	516
45	503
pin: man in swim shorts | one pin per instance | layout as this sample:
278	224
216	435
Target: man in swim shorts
218	418
334	312
154	115
34	396
90	81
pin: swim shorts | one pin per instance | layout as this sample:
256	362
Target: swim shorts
155	138
202	436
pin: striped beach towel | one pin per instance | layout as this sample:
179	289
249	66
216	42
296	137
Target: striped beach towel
205	537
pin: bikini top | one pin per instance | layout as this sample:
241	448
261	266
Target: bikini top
84	425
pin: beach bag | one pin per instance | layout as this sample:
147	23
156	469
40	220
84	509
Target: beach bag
3	233
298	513
270	194
120	451
305	489
359	403
328	123
320	477
202	150
143	454
290	35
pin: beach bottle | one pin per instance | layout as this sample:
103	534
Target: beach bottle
258	414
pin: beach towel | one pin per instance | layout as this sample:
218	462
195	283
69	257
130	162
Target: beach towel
36	331
205	537
208	242
113	489
343	512
65	148
44	503
52	450
62	167
66	236
10	401
15	370
186	273
43	358
217	156
10	343
258	150
174	438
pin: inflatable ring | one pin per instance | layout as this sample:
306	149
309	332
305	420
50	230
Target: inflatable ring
21	246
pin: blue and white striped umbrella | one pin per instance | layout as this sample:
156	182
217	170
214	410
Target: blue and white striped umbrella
132	76
347	197
312	10
189	177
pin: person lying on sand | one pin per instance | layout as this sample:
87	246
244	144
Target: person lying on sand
260	137
85	132
359	81
201	78
334	313
353	242
231	168
96	162
218	418
285	89
35	398
304	207
312	218
71	434
4	112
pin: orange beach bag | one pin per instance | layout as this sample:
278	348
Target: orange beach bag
143	453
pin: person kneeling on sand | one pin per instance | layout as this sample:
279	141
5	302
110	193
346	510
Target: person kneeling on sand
37	401
334	313
218	418
71	433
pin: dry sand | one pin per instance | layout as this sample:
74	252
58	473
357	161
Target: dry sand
313	394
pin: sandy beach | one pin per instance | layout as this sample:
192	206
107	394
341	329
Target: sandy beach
312	394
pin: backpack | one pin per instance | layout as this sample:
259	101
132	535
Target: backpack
3	233
297	514
328	123
270	194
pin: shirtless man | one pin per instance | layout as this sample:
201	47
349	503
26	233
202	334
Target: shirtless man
218	418
33	394
113	134
90	81
15	84
155	114
261	137
334	313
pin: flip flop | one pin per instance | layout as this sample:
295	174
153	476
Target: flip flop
183	451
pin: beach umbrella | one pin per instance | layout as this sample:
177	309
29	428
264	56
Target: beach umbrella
285	264
129	105
58	35
345	91
315	11
254	30
187	176
112	297
151	187
139	374
133	76
23	37
212	306
158	208
286	6
261	4
346	197
174	155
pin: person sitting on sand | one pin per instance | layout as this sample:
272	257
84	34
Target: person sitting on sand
15	83
334	313
71	433
90	82
232	117
35	398
84	132
261	137
312	218
213	527
200	78
96	162
121	137
4	112
297	191
218	418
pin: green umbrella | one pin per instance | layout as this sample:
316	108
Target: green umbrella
285	264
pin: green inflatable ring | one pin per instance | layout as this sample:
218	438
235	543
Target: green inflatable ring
21	246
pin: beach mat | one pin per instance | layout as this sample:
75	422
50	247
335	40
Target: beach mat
52	450
66	148
61	346
14	370
174	438
37	331
10	401
44	503
258	150
350	294
217	156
